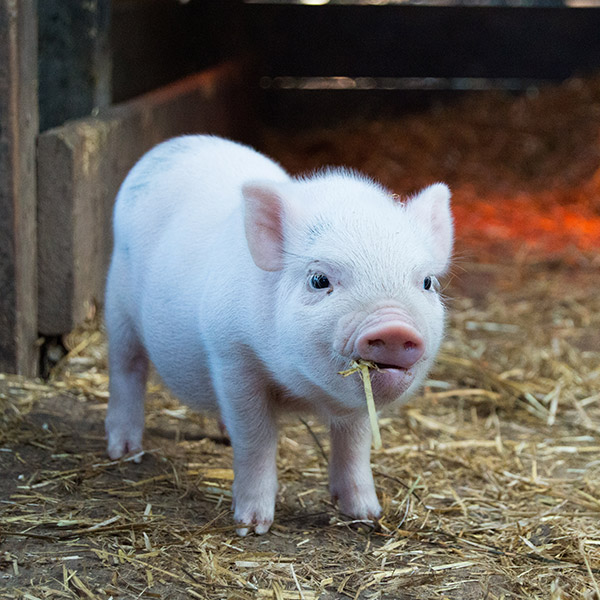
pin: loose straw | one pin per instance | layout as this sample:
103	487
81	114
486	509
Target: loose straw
363	367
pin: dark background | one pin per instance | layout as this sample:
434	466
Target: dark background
143	44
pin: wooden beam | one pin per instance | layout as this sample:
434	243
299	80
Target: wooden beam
82	164
18	130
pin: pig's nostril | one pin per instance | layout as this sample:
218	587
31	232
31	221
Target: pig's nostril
381	344
376	343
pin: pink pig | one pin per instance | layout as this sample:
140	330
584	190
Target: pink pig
250	290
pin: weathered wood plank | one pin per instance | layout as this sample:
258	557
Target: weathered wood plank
18	129
82	164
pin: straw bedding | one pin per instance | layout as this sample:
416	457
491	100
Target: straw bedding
489	479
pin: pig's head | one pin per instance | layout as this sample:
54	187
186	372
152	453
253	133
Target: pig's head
355	277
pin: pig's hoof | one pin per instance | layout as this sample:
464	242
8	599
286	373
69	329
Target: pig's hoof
358	504
259	529
253	516
120	445
260	524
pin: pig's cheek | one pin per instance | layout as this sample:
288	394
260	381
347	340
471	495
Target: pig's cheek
347	331
432	329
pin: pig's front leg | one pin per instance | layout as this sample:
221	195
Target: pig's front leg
350	476
251	425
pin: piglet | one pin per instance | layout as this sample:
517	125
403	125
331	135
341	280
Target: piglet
249	290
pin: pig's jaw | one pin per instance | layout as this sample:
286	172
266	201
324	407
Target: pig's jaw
391	383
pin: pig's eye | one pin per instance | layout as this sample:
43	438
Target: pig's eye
430	283
319	281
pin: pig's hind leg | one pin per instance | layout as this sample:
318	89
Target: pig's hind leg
128	366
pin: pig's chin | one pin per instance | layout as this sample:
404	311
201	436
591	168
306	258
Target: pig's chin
389	383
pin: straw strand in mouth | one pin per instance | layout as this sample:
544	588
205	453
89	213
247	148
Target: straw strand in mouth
362	367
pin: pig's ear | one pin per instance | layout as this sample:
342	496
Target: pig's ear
432	207
264	214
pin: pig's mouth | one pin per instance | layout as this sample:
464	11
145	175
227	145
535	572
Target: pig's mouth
388	367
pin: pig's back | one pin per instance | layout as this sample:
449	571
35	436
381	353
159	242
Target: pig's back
175	200
193	179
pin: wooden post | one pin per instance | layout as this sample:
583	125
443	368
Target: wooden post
18	130
74	59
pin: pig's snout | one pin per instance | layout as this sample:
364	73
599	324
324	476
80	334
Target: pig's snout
391	345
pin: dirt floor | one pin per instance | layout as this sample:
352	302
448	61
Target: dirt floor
489	478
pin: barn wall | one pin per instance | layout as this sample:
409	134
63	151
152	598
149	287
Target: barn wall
81	165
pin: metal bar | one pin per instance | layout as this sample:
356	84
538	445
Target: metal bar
438	3
400	83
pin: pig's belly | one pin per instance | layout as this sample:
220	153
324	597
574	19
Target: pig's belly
174	347
168	311
186	375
